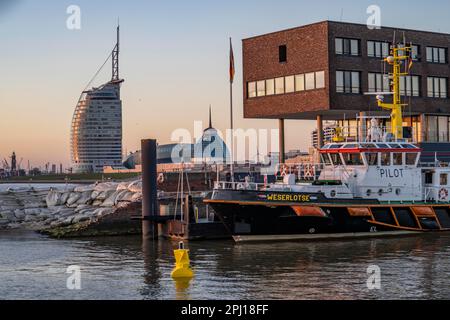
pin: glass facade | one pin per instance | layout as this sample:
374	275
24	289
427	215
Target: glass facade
96	131
288	84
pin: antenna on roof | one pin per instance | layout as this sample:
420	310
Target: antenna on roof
342	14
210	117
115	56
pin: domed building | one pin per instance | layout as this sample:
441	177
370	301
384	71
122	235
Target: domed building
211	148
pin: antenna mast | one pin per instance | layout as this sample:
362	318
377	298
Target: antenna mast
399	55
115	57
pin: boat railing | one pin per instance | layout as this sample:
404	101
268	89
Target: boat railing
228	185
432	194
354	133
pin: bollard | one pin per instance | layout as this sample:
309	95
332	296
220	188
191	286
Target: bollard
149	190
182	268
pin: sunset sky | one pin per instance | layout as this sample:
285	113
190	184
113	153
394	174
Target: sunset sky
174	59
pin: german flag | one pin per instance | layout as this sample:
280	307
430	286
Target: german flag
410	60
232	70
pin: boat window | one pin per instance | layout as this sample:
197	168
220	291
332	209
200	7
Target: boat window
368	145
372	158
336	159
325	159
351	146
353	159
382	145
429	177
444	179
398	159
409	146
385	159
411	159
395	146
335	146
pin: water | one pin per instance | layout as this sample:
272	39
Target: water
34	267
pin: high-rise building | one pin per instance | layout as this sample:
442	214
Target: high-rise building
96	135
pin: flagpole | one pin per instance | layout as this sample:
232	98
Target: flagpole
231	120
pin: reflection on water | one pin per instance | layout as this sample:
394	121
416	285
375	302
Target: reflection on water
33	267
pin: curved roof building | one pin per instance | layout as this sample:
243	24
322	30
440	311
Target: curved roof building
211	148
96	131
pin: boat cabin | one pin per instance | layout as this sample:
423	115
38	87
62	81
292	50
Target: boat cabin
370	154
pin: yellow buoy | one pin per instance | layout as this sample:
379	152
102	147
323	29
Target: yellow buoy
182	264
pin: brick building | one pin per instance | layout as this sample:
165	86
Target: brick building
324	71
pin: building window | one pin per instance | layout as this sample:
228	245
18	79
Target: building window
411	159
282	53
348	82
300	82
415	52
432	128
377	49
261	88
444	179
385	159
251	89
437	87
320	80
289	84
443	128
279	85
378	82
436	55
270	87
410	86
348	47
309	81
397	158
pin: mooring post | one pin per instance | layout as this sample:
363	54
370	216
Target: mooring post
149	190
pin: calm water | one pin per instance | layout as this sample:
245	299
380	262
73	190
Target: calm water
33	267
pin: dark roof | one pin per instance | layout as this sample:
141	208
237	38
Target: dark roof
338	22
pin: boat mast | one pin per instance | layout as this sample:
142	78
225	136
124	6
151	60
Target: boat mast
396	59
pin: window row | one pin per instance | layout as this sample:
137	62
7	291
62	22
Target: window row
288	84
409	85
349	82
380	49
370	159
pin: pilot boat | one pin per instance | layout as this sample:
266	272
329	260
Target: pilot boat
375	187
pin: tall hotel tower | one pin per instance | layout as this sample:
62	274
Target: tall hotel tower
96	131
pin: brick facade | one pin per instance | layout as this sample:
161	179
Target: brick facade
312	48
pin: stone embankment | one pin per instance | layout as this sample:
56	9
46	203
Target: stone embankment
88	210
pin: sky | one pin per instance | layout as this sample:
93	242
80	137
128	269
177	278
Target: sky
174	59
